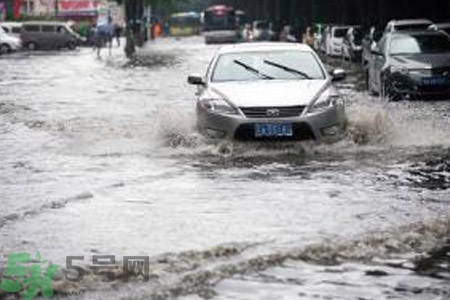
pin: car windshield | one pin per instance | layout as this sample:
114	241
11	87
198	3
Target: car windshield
262	25
340	32
1	30
420	44
281	65
409	27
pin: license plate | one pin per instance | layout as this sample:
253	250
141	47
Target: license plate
273	130
434	81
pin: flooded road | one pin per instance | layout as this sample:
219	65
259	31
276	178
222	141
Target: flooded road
101	157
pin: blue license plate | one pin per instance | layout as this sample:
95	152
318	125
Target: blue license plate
273	130
434	81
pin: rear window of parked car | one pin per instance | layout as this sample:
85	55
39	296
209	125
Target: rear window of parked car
48	28
32	28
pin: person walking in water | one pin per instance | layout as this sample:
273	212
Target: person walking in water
104	35
117	33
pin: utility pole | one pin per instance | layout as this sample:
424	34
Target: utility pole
56	2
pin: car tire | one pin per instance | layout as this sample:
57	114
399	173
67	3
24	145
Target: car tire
5	48
31	46
71	45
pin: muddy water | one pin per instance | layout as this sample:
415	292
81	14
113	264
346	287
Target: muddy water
101	157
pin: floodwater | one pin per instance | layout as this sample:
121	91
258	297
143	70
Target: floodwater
101	157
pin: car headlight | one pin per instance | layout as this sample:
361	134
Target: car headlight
326	100
218	106
401	70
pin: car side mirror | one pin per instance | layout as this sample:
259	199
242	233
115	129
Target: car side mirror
338	74
196	79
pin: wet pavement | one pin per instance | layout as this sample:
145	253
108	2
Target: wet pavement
101	157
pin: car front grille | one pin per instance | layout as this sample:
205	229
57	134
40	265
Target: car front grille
273	112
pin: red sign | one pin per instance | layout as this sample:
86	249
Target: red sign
16	8
76	7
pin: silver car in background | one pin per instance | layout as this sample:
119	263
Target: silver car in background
269	91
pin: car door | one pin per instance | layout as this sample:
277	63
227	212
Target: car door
48	35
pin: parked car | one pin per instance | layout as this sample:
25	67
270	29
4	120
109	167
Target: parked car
445	27
369	42
269	91
408	25
48	35
334	40
8	43
411	64
12	28
352	44
261	30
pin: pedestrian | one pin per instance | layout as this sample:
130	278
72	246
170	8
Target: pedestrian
308	37
117	33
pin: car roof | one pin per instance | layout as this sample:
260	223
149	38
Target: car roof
11	24
264	46
43	23
421	32
411	22
341	26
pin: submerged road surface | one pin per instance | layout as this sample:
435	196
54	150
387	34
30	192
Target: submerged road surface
101	157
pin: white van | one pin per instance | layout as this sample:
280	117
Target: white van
12	28
8	43
335	40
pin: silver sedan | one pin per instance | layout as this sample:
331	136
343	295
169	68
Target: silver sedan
269	91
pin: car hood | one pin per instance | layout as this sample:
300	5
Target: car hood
9	38
270	92
420	61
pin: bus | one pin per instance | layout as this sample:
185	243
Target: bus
220	24
184	24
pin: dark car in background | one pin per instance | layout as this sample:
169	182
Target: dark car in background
48	35
411	64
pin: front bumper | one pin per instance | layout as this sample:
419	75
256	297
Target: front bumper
325	125
416	84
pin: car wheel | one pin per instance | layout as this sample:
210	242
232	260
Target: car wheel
71	46
5	48
32	46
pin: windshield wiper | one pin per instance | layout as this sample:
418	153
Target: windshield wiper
287	69
252	70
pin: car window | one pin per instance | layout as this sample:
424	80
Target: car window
229	67
410	27
425	44
262	25
32	28
61	29
48	28
16	30
340	32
